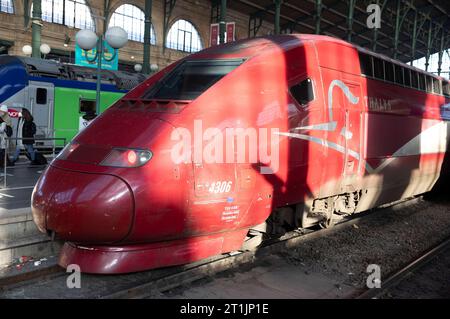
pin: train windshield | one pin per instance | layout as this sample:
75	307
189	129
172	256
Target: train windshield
190	79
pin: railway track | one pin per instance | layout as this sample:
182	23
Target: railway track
146	284
397	277
237	259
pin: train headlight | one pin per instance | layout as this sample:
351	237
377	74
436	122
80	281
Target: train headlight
125	157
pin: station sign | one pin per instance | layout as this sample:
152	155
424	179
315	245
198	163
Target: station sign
230	33
108	52
214	34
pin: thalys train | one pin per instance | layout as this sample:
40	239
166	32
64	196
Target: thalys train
58	94
254	137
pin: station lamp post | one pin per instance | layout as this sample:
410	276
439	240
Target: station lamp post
87	40
44	49
153	68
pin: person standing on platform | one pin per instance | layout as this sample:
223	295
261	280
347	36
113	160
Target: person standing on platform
5	132
26	129
5	115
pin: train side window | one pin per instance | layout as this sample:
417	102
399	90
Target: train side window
87	105
378	68
414	80
446	88
429	84
421	81
399	74
388	71
437	86
41	96
303	92
407	74
365	61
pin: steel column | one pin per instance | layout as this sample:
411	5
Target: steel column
414	38
318	15
99	74
106	8
427	57
168	8
215	11
375	30
222	23
147	35
277	15
351	10
36	26
397	28
441	52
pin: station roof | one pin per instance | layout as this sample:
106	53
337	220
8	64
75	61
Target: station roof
430	19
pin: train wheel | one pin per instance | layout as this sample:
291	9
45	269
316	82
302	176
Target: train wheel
327	223
252	242
306	218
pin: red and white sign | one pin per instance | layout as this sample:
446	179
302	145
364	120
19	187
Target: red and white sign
214	33
230	33
13	113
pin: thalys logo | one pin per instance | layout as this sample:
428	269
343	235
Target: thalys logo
13	113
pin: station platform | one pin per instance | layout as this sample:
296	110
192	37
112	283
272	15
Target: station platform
20	241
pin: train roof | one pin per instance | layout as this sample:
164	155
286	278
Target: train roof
254	46
53	69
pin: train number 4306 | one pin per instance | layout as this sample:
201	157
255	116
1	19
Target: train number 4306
220	187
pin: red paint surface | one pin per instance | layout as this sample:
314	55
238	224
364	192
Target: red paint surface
163	209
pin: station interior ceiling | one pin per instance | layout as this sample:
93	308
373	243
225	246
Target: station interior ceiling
409	30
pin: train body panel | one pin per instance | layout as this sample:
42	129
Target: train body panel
279	130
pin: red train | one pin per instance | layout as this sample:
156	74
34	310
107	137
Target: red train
264	134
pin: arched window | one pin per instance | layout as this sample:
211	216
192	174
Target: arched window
131	19
183	36
72	13
7	6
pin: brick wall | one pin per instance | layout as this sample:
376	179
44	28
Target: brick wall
13	28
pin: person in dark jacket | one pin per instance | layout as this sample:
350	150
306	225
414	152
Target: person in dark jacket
26	130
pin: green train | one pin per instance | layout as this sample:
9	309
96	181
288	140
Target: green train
58	94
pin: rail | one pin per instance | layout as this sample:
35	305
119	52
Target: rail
7	146
394	279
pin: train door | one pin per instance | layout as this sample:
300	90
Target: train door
353	135
41	104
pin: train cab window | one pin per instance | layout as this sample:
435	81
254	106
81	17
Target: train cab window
414	80
191	78
399	74
407	76
378	68
388	71
303	92
365	62
41	96
422	82
436	86
87	105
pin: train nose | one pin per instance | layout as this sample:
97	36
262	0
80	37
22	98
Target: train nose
83	207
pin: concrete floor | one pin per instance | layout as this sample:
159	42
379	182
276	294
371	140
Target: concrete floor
20	181
274	279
